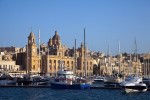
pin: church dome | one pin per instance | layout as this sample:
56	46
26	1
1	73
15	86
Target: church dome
56	36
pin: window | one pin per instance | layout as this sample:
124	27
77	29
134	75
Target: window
33	40
91	63
50	61
50	67
33	66
9	67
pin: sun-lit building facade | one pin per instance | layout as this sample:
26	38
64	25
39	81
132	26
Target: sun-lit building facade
48	60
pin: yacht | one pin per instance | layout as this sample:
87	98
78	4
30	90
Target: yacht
112	81
98	79
133	83
6	79
67	80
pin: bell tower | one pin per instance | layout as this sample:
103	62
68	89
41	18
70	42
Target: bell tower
32	48
32	65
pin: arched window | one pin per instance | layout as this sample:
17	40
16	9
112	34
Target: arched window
33	66
68	63
50	61
33	41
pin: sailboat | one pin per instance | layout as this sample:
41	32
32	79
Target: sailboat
112	80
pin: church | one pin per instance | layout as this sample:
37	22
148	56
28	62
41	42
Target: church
45	58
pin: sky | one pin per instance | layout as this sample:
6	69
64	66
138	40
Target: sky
105	22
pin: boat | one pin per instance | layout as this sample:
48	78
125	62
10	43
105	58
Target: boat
6	79
67	80
112	81
133	83
40	80
147	81
24	80
98	79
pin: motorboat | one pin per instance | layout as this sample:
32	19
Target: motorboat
24	80
112	81
147	81
40	80
133	83
6	79
67	80
98	79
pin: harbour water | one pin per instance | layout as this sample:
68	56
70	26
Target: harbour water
51	94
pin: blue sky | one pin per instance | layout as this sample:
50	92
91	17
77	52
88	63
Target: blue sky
105	21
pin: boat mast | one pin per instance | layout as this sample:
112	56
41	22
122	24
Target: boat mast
27	70
119	55
136	56
109	62
85	56
75	59
48	61
148	69
39	69
144	67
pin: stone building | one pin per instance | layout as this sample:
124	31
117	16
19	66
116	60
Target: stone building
7	64
33	59
52	54
124	64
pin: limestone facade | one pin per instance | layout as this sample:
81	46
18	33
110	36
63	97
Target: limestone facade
52	54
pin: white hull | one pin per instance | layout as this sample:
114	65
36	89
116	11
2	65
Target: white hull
126	90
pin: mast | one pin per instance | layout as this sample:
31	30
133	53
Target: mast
119	55
27	70
48	61
148	68
109	62
39	69
75	59
130	64
144	67
84	55
136	56
135	48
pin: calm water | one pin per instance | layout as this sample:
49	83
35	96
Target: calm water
50	94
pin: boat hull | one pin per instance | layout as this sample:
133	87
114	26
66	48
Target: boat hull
130	89
111	84
73	86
